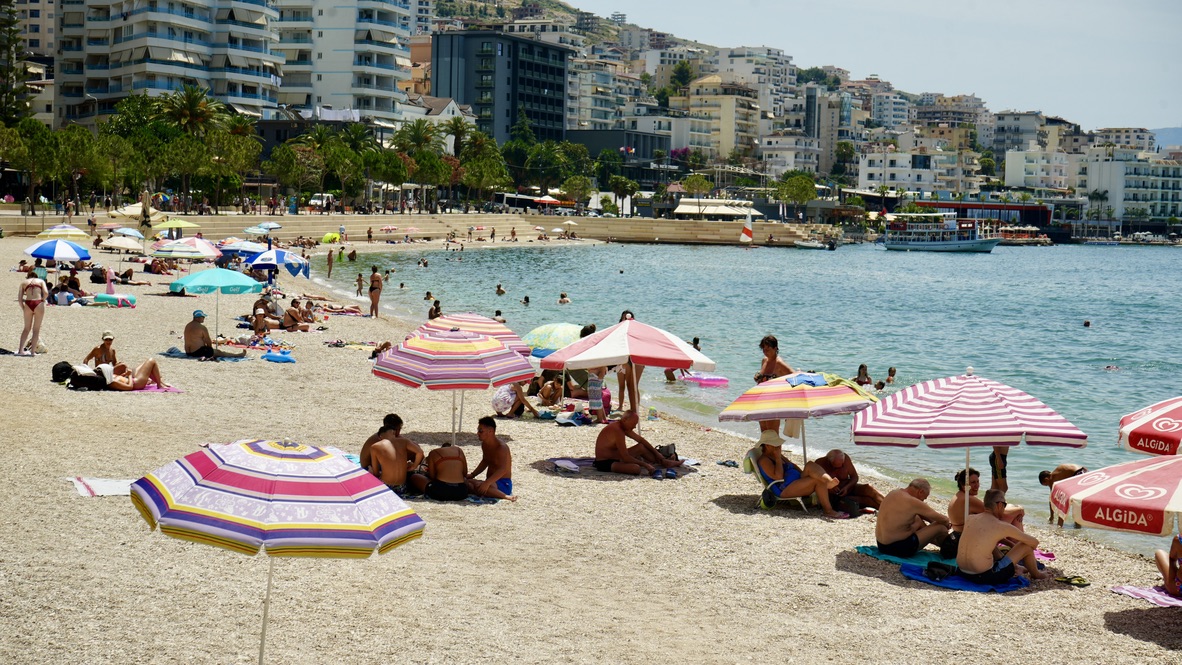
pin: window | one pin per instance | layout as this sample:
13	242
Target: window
319	77
319	56
500	49
319	33
34	28
319	99
34	13
320	12
34	43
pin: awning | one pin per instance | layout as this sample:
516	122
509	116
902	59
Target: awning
402	61
386	124
246	110
235	60
218	61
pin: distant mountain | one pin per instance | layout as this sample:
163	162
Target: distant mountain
1168	136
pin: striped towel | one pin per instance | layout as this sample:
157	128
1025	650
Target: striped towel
1156	595
101	486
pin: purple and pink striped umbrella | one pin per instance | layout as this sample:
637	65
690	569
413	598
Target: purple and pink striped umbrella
475	323
452	360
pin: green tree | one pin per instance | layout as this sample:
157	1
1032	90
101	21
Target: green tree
797	173
76	156
118	152
35	155
388	167
799	190
547	165
484	165
516	150
577	188
296	166
697	185
622	188
14	105
682	75
844	152
458	128
192	110
987	165
608	164
576	159
186	157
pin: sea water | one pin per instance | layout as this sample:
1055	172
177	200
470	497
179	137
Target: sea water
1016	315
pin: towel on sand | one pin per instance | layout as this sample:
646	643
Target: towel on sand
101	486
578	464
1156	595
174	352
153	388
920	558
959	583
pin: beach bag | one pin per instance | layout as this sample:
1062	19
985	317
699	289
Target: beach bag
83	378
98	276
950	546
61	371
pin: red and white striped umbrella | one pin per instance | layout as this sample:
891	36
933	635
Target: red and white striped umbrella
481	325
1144	496
629	340
1154	430
961	412
201	246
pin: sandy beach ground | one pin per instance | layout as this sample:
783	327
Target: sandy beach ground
586	568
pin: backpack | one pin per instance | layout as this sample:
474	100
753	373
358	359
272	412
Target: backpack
950	546
61	371
86	380
98	276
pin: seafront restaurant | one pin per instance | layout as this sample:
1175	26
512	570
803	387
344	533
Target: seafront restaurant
719	210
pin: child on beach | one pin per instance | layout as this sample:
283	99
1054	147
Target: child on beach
360	283
595	377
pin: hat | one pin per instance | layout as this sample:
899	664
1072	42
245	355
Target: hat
260	311
769	437
198	314
107	334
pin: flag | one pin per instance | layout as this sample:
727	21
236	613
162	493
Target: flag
748	233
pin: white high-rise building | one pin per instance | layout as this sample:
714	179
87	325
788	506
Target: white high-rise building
1126	137
767	70
891	110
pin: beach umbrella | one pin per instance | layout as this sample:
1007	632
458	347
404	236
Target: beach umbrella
110	226
388	229
281	498
546	200
548	338
244	247
63	232
570	223
452	360
278	258
1154	430
256	231
539	228
556	230
128	232
175	224
270	226
963	412
58	250
219	281
1143	496
136	211
122	242
481	325
629	341
228	240
207	249
797	396
412	229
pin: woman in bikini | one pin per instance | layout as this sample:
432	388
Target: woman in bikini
147	372
32	296
375	291
104	353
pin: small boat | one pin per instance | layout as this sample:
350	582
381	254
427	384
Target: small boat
810	244
938	232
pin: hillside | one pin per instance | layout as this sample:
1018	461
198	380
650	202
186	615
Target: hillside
1168	136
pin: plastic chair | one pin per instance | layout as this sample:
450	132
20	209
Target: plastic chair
750	465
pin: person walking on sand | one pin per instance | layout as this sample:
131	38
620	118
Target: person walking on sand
375	291
977	556
497	459
330	264
31	295
369	235
1061	472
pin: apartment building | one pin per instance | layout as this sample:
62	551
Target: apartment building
1127	137
546	30
501	75
1038	169
891	110
731	108
423	17
38	23
936	109
595	102
1016	129
822	121
921	165
685	132
1133	181
786	151
767	70
659	63
109	50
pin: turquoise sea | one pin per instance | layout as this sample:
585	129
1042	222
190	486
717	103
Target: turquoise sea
1016	315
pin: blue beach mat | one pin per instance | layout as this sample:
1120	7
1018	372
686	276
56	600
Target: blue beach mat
174	352
959	583
921	558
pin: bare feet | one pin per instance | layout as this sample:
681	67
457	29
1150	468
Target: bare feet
512	498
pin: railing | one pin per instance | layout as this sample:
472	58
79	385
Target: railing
257	73
370	42
244	47
361	63
375	21
98	42
298	63
242	24
156	85
295	39
160	35
172	12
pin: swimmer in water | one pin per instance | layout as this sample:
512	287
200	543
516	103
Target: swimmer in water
1111	368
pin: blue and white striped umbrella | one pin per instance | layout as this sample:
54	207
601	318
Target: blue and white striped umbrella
58	250
276	258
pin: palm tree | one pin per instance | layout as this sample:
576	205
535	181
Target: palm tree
238	124
458	128
422	142
195	113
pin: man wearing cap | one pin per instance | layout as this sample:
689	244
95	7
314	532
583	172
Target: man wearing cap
104	353
198	343
785	480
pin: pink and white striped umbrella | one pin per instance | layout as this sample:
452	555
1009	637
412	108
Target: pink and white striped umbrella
206	248
962	412
1154	430
626	341
1144	496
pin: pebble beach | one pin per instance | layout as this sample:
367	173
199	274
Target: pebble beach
583	568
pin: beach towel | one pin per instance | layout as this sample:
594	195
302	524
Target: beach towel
1156	595
100	486
579	464
344	313
176	353
921	558
153	388
959	583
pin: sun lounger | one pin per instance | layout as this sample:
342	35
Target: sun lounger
749	466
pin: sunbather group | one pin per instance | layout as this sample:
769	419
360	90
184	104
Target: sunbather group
443	473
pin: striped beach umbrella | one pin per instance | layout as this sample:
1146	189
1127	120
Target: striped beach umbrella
452	360
963	412
481	325
548	338
1143	496
283	498
63	232
58	250
796	396
175	224
1154	430
278	258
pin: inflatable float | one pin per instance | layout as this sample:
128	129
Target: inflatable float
283	356
116	299
706	380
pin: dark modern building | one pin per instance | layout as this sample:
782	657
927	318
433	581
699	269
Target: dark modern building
500	75
636	151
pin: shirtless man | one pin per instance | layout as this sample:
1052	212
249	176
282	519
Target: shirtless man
1013	513
446	478
614	456
392	457
978	557
198	343
391	428
105	353
496	457
293	318
839	466
1061	472
785	480
906	524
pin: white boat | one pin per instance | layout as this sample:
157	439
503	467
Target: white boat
938	232
810	244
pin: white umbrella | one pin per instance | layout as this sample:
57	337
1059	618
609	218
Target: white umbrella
121	242
130	233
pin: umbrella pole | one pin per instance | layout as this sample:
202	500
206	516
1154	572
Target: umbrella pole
967	452
461	421
804	444
453	418
266	607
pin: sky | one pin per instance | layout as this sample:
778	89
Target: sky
1097	63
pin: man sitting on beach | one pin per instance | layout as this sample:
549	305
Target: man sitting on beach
1061	472
785	480
1013	513
392	457
198	343
293	319
497	459
906	524
391	428
446	479
979	559
614	456
839	466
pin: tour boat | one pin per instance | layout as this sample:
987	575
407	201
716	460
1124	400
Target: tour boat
938	232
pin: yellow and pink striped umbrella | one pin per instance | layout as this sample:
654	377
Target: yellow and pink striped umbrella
475	323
